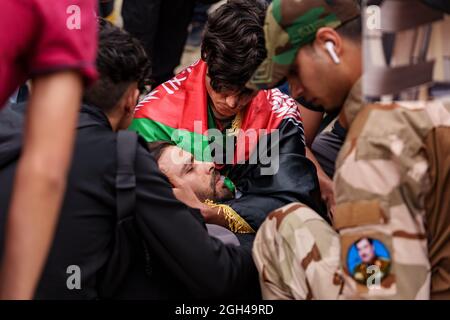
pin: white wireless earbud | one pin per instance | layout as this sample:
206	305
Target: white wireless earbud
330	48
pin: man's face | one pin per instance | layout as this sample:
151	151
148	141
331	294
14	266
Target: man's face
366	250
202	177
228	104
317	79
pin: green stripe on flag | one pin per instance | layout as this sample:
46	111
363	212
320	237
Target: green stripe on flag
192	142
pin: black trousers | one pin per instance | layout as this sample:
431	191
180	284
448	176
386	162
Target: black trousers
162	27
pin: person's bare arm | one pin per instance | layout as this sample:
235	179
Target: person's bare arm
326	184
40	181
311	123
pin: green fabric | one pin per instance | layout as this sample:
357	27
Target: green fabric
303	31
276	11
153	131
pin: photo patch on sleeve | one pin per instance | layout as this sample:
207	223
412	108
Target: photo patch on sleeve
368	261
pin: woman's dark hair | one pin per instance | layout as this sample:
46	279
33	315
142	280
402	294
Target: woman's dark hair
233	44
121	61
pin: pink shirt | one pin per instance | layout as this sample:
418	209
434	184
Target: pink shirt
44	36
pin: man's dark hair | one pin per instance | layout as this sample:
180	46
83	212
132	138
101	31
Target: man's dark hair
157	148
121	61
233	44
361	239
351	29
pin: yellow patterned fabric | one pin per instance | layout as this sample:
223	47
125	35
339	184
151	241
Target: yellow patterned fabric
235	222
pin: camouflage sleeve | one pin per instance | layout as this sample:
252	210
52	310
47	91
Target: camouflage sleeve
380	215
297	255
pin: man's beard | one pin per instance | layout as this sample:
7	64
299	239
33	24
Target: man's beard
216	195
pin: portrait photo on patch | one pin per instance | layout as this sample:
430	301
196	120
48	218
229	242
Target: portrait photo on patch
368	257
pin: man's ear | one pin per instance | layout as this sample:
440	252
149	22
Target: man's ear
325	35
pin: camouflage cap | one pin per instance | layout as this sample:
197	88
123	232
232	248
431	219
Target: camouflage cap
441	5
291	24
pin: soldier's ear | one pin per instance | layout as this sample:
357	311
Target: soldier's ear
328	35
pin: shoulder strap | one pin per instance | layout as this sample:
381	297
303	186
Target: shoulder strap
120	257
125	179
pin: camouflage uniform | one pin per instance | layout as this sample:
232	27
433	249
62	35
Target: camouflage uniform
297	255
296	251
392	185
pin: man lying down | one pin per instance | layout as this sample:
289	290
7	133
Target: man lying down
207	185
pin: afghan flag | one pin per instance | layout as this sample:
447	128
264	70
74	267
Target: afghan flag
263	154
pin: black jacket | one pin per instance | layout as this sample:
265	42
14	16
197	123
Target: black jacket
185	260
295	181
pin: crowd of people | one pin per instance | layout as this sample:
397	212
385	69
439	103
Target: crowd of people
305	155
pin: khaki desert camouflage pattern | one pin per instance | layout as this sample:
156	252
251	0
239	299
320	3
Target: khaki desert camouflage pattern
297	255
392	185
291	24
